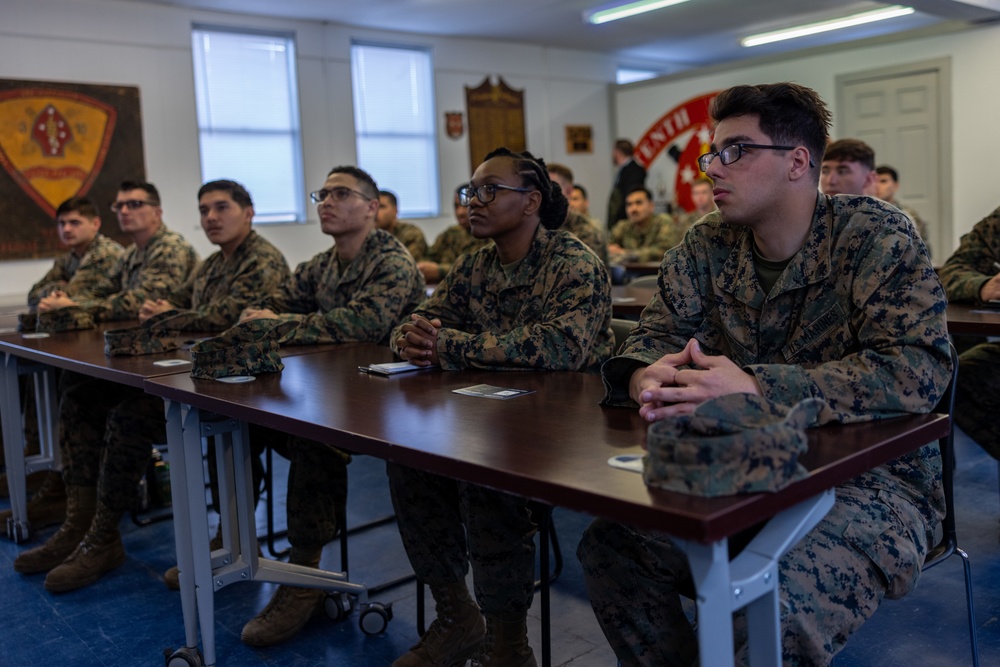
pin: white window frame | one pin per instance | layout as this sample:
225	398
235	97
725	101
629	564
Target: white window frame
410	180
276	200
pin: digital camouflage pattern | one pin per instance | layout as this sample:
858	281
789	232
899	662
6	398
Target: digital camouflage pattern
221	287
359	302
412	237
857	318
71	318
552	312
738	443
977	395
157	334
586	230
78	276
248	348
451	244
106	433
685	219
647	244
142	274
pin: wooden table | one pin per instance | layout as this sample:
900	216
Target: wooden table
551	445
970	319
627	301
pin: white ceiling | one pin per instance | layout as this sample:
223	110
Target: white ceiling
693	34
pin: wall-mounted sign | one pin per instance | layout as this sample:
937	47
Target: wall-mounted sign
496	118
579	139
62	140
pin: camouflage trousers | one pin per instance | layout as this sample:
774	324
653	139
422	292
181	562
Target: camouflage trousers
829	584
446	524
316	498
106	434
977	396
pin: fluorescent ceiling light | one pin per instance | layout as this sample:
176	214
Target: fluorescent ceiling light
620	10
825	26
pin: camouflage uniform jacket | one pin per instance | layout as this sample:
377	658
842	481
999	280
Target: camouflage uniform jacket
649	243
223	286
360	302
451	244
586	230
971	266
412	237
78	275
685	219
857	318
152	272
553	310
918	222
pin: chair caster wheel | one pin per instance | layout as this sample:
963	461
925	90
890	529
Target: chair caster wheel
374	618
18	531
183	657
337	606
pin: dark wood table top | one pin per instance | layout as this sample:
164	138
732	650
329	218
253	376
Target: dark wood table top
642	268
627	301
83	352
970	319
551	445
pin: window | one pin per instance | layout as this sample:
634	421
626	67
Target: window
394	124
631	74
248	117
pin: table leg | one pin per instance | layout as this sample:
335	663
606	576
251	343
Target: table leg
750	580
17	527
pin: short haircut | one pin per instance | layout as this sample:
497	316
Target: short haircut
640	188
625	146
583	190
884	169
560	170
368	184
82	205
790	114
390	196
534	173
238	193
703	180
851	150
150	189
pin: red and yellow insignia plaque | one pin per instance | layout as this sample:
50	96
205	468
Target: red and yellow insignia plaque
60	140
53	143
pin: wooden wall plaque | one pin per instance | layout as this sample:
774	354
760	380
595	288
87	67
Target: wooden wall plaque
496	118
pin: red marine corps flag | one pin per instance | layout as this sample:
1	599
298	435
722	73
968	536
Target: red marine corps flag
685	133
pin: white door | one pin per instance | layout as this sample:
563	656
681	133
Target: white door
898	113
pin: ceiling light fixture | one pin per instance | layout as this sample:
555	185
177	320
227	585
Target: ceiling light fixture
620	10
890	12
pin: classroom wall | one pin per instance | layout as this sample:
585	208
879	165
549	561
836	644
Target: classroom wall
975	97
149	46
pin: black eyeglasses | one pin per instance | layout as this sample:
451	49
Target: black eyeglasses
130	204
485	193
338	194
732	153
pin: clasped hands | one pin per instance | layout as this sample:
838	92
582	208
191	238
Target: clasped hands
677	383
417	342
54	301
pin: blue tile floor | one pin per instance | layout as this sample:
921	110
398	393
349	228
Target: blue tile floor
128	618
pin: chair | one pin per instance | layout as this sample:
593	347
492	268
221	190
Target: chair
948	545
621	329
644	281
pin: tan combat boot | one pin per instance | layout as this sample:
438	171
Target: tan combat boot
47	505
506	643
81	503
289	610
172	577
100	551
455	635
